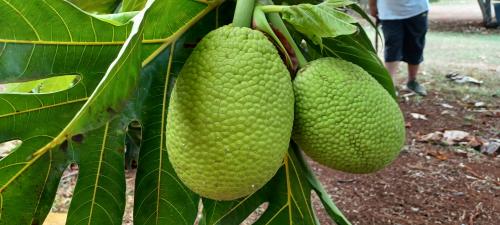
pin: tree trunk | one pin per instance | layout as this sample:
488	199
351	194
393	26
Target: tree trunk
485	6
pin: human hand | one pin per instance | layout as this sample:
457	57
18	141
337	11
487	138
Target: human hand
374	11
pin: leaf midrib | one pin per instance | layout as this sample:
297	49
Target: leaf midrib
41	107
103	146
90	43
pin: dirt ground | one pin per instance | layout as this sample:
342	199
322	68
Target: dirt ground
465	18
428	183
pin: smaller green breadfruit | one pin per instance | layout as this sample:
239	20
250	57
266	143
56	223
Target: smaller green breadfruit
344	118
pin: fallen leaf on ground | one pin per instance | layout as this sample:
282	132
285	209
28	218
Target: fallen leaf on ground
475	141
479	104
458	137
438	155
407	96
462	79
448	112
447	106
431	137
418	116
491	147
451	137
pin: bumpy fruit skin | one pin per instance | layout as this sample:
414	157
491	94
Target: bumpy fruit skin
231	114
344	119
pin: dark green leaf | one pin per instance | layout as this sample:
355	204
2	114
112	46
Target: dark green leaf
324	197
286	199
362	13
44	146
287	195
99	196
132	5
98	7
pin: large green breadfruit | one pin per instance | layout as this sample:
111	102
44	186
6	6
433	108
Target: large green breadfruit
231	114
344	119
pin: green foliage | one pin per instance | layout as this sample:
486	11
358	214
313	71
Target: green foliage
132	5
317	21
287	199
124	72
53	84
97	7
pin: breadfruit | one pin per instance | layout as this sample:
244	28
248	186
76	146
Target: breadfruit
344	118
230	117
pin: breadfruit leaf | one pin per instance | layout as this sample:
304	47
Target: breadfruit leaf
68	113
132	5
286	199
98	7
75	124
317	21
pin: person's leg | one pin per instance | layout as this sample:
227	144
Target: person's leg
392	67
415	29
393	45
413	71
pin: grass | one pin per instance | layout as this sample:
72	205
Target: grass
475	55
472	54
463	50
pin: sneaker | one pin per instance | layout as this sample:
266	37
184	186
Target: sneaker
416	87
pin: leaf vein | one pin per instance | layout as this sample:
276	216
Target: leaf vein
62	20
23	17
98	172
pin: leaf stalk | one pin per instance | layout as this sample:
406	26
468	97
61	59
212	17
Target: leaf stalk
276	21
331	208
243	13
273	8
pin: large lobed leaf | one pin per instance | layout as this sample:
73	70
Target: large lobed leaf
98	7
286	199
320	21
32	50
132	5
73	125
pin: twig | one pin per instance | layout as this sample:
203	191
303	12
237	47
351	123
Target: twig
476	213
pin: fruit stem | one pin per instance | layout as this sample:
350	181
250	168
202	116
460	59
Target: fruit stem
243	13
273	8
260	23
330	206
275	19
